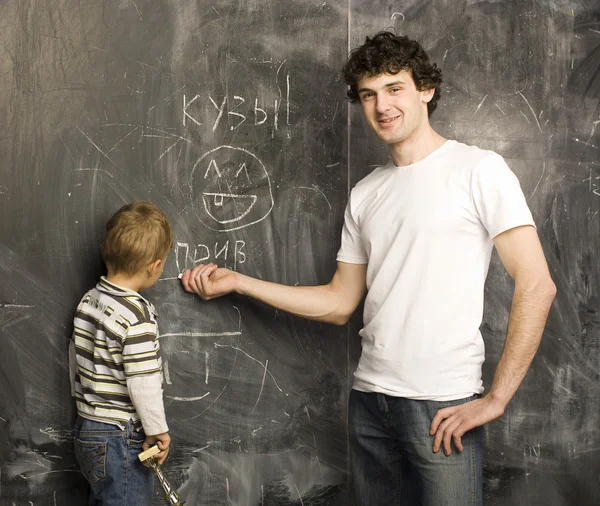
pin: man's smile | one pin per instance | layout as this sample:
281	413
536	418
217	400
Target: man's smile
387	121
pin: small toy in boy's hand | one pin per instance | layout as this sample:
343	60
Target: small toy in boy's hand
147	458
150	452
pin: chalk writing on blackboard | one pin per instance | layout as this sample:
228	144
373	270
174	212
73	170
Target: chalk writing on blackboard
235	188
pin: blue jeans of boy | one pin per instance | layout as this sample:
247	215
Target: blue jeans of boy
392	459
108	457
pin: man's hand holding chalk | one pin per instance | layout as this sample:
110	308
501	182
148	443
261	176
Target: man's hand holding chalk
210	281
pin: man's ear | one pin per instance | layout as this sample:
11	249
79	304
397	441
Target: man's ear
428	94
154	267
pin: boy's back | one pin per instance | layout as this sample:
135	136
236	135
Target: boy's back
115	338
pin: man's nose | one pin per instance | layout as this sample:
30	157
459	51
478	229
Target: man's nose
383	104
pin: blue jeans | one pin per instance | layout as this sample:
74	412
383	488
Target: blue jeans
392	459
108	457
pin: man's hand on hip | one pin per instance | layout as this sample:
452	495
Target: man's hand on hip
449	424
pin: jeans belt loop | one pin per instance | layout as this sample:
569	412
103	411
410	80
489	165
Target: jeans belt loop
382	403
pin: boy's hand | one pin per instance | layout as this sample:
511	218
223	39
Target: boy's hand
209	281
163	441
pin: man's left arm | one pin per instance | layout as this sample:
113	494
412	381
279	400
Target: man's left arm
522	255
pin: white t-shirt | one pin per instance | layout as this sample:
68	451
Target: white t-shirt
425	231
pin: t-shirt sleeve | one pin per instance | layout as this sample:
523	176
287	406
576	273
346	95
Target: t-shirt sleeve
141	350
498	198
352	250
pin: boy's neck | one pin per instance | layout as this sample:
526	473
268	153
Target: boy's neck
123	280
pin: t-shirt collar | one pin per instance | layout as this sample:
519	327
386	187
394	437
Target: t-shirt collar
104	285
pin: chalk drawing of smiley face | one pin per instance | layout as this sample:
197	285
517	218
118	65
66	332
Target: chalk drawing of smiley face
234	186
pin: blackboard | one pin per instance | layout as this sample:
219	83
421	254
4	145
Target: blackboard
192	104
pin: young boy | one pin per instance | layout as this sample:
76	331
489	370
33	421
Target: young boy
115	364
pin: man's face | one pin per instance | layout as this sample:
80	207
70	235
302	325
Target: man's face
393	106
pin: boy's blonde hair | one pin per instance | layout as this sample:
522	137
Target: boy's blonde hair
137	234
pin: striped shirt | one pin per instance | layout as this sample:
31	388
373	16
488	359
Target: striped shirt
115	338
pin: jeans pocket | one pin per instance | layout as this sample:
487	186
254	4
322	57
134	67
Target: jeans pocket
91	456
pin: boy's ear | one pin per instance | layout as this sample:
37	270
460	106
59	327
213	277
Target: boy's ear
153	267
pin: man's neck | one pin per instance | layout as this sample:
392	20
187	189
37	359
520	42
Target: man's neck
415	148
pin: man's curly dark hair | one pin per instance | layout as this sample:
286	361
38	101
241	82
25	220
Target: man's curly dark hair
389	53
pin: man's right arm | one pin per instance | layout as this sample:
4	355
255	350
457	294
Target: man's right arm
331	303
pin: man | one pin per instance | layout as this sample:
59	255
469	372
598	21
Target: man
417	239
